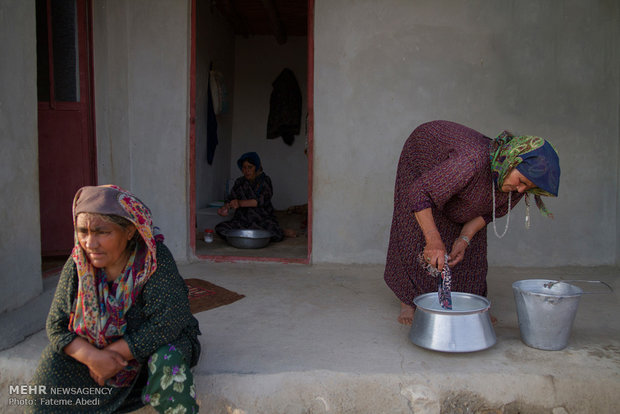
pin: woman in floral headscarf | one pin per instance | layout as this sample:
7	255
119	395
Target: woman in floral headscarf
119	326
451	182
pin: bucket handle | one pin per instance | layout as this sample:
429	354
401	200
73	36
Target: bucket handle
550	284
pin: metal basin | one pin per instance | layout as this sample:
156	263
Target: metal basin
248	238
465	328
546	314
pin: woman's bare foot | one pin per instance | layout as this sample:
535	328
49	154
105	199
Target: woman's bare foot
406	314
290	233
493	320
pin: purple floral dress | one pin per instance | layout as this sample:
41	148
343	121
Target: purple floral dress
444	166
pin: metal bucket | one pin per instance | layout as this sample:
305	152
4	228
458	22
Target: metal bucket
546	313
465	328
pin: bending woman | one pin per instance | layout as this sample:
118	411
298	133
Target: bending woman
120	322
251	199
451	182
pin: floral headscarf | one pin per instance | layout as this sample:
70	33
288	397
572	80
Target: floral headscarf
534	157
99	314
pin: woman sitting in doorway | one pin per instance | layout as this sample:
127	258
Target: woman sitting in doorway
120	318
250	197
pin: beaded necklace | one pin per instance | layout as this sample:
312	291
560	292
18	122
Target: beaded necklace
508	219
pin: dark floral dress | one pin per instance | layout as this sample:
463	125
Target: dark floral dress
159	325
259	217
444	166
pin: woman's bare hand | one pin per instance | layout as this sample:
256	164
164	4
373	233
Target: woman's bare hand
223	211
435	252
104	364
234	203
458	251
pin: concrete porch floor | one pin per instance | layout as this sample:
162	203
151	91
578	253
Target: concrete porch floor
324	339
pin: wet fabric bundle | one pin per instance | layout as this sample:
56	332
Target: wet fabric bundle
444	281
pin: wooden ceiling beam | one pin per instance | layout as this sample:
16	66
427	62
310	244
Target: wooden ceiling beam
277	26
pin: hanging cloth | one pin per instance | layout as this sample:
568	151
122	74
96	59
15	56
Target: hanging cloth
284	108
218	92
211	122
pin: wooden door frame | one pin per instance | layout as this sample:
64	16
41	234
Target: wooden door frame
192	146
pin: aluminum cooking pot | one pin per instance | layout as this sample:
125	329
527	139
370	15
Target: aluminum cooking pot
465	328
248	238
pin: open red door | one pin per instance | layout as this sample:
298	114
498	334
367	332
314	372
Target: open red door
66	134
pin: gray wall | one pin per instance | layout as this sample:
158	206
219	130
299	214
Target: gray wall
380	70
258	62
142	107
20	244
539	68
215	43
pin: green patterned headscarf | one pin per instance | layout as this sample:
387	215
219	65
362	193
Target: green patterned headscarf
534	157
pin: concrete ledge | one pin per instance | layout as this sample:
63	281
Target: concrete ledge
475	392
18	324
324	339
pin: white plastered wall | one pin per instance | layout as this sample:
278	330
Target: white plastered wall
141	61
540	68
20	243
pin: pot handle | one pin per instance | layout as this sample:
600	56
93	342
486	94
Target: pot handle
550	284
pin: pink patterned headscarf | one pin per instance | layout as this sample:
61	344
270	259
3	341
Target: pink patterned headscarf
99	314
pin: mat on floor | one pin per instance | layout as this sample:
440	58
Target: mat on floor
204	295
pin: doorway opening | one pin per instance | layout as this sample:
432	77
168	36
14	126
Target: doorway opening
240	51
